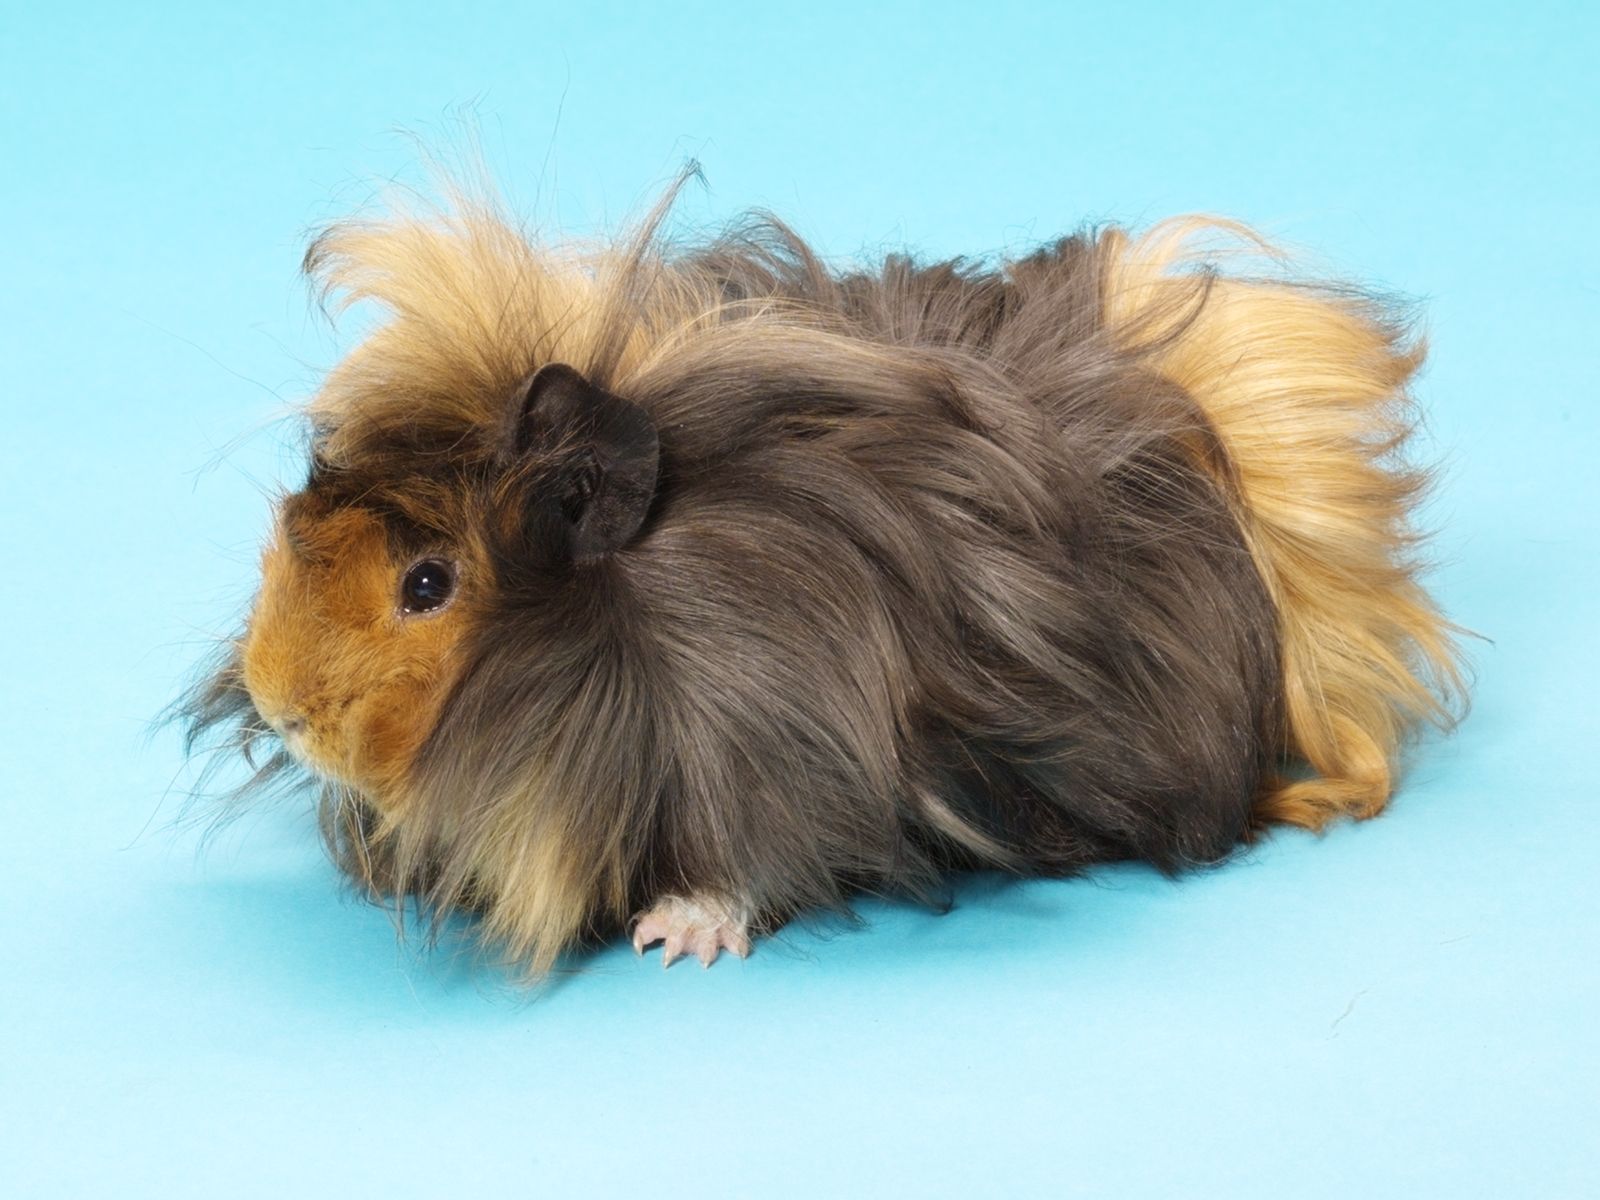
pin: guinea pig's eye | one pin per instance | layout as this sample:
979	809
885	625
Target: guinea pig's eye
427	586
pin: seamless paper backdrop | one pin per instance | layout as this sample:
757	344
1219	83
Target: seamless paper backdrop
1404	1008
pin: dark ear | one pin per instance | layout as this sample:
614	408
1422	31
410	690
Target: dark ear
609	456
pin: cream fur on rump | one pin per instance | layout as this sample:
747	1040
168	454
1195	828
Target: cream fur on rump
1307	386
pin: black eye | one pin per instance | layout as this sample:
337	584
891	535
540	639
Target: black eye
427	585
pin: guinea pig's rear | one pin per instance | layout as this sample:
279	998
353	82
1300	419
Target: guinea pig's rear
701	587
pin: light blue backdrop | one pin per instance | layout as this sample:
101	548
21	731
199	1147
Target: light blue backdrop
1406	1008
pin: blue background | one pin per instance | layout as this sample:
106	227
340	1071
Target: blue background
1405	1008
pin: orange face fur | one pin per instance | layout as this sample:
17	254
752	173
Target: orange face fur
351	681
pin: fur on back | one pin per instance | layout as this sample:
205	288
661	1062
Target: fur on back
1088	555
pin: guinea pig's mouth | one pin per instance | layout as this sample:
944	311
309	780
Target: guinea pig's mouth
301	746
295	745
293	742
293	735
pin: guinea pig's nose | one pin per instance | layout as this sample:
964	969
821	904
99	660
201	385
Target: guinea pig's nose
286	722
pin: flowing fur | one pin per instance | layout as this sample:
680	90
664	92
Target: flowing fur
1095	554
1307	386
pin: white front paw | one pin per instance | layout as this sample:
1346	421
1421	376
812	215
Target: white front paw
697	925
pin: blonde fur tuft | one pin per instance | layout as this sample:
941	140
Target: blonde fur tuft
1307	387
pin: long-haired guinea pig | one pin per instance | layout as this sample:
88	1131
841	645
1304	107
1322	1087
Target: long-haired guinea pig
681	588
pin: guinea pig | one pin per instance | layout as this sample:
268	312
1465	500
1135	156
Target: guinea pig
683	587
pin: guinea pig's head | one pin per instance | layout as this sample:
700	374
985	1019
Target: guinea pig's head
352	644
389	574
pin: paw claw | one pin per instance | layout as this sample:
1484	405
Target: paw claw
647	930
674	947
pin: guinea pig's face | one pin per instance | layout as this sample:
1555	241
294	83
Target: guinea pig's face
352	644
380	570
